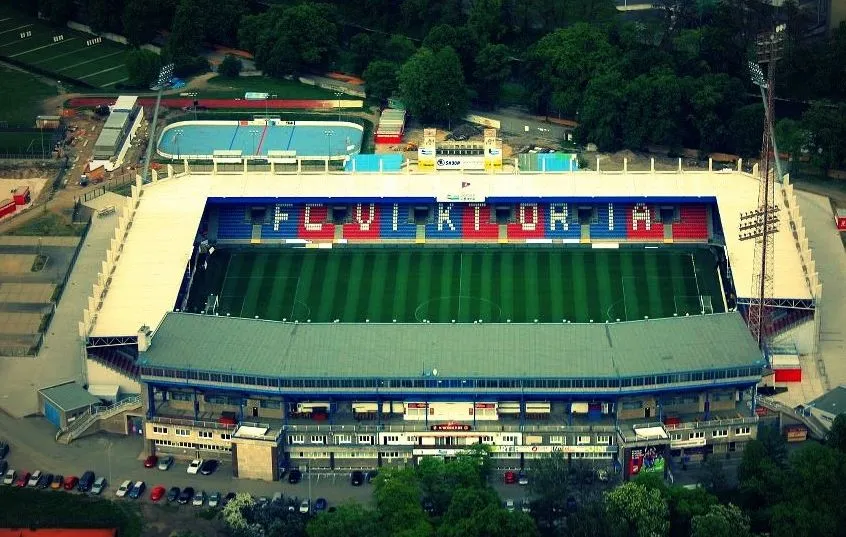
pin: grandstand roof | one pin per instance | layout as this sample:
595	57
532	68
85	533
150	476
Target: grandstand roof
152	264
272	348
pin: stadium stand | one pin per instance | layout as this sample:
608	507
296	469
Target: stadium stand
232	223
395	222
692	224
283	224
313	222
478	223
365	222
609	222
642	222
529	222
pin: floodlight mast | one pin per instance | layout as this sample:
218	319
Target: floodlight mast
165	74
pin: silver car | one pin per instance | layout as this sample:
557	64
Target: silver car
99	485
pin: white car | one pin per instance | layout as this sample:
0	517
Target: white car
33	479
509	505
305	506
199	498
123	489
10	476
194	467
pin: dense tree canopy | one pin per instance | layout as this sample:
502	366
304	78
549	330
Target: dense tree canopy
432	85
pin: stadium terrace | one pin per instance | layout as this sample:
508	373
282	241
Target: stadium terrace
349	320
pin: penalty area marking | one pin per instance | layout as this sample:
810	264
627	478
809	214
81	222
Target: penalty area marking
496	315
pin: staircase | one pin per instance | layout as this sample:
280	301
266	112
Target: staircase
84	422
255	235
816	428
502	234
420	238
585	234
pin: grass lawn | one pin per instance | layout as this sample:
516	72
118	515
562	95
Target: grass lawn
49	225
465	284
29	508
221	87
22	95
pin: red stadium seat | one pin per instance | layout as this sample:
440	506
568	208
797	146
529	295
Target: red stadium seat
477	224
643	223
693	223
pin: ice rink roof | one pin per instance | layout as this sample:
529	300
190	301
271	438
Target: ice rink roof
154	257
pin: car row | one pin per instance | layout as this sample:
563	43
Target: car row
88	482
135	490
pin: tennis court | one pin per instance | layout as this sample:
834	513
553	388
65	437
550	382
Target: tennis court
199	140
467	284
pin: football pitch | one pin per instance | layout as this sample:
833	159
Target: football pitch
442	285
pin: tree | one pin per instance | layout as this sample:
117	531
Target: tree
493	68
745	129
720	521
549	487
685	504
380	79
644	511
791	138
712	99
398	49
103	15
825	122
442	35
594	520
485	21
396	492
477	512
836	436
230	67
440	480
351	520
183	43
143	67
564	62
599	120
432	85
221	19
58	12
713	476
364	48
139	21
652	110
234	514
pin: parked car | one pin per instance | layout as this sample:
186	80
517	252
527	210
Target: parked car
523	478
208	467
173	494
165	463
23	479
33	479
509	505
71	482
123	489
44	481
151	461
199	498
214	499
137	490
526	506
194	467
295	476
510	477
305	507
99	485
602	475
58	481
277	497
320	504
86	481
157	493
186	495
9	476
357	478
226	499
371	475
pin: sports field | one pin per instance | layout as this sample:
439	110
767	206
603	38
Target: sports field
101	65
438	285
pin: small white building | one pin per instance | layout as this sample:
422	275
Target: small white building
829	405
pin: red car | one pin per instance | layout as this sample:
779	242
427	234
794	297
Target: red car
23	479
157	493
71	482
151	461
510	477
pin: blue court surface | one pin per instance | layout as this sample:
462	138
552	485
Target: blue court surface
200	139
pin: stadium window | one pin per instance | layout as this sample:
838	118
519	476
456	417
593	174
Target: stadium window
181	396
582	440
214	377
556	440
180	374
273	383
601	383
590	383
720	433
683	377
160	430
720	374
261	381
192	375
225	436
182	432
662	379
202	376
741	431
418	383
696	377
226	379
237	379
603	439
626	383
296	383
296	439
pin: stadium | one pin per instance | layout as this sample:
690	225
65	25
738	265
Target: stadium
351	320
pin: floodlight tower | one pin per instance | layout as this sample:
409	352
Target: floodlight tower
165	74
762	223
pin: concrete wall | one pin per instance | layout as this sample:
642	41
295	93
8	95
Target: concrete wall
255	459
100	374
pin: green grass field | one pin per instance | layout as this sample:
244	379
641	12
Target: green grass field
101	65
225	88
22	95
468	284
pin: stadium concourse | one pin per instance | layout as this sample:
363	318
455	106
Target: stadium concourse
618	387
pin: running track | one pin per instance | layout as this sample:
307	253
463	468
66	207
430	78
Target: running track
307	104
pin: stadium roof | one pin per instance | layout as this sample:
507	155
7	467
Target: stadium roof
273	348
152	264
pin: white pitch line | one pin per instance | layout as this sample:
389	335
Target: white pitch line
65	68
124	79
100	72
42	47
12	30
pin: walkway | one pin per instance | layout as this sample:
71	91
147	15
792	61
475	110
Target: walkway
830	257
61	355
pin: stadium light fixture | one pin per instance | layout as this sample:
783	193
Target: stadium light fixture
757	76
165	75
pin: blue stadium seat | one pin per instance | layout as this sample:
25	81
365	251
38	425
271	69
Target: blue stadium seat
232	223
447	222
283	225
608	213
396	226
